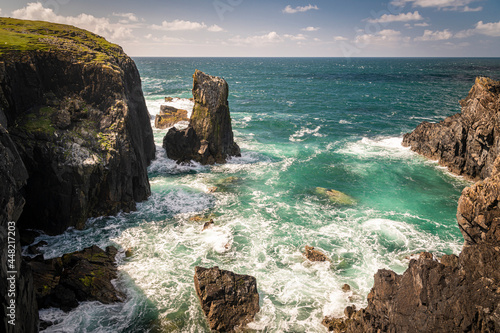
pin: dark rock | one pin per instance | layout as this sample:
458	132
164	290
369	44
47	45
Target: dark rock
346	287
228	300
169	99
28	237
209	136
80	123
35	248
208	225
128	253
76	277
466	143
169	116
314	255
13	176
457	294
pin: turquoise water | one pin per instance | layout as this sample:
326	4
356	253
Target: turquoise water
301	124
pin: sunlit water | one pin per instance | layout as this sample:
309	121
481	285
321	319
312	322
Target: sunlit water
301	124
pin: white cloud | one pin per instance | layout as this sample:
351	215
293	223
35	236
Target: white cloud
317	40
0	11
295	37
272	37
423	24
430	35
99	25
489	29
455	5
310	29
387	18
181	25
468	9
128	16
339	38
383	37
289	10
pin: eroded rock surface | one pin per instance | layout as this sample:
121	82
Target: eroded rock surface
468	142
76	277
228	300
454	294
314	255
209	136
169	116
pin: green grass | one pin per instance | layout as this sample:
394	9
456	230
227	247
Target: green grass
39	122
19	36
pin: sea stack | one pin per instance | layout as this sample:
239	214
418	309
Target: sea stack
209	136
452	294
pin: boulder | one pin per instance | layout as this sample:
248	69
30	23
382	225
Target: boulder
209	136
229	300
467	143
74	107
169	116
76	277
314	255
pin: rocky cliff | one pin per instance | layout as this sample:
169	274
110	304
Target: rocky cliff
209	136
449	294
467	143
75	142
73	105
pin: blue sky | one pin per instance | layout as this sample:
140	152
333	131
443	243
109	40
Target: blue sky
326	28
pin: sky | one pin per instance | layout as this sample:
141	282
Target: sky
290	28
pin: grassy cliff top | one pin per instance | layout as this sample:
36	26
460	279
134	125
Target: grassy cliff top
19	36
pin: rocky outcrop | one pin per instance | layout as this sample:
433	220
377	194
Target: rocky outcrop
169	116
76	277
467	143
209	136
453	294
18	307
314	255
73	105
228	300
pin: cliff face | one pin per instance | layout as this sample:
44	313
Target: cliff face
74	107
451	294
467	143
13	176
209	136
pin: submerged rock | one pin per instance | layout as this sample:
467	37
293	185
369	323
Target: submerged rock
229	300
335	196
169	116
314	255
209	136
208	224
468	142
76	277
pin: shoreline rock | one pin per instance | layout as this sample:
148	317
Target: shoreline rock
169	116
80	123
209	136
229	300
76	277
454	294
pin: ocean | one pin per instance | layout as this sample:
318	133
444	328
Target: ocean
303	124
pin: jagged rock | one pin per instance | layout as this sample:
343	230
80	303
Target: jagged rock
228	300
169	116
466	143
209	136
208	225
74	107
457	294
79	276
314	255
13	176
346	288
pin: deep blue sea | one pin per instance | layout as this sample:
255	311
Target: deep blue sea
303	124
